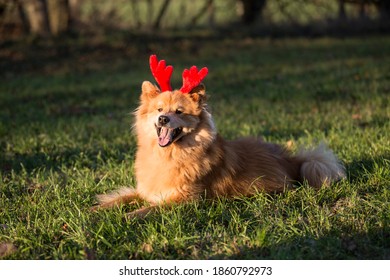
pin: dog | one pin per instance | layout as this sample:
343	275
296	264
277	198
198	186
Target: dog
180	156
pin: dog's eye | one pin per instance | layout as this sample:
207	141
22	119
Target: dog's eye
159	109
178	111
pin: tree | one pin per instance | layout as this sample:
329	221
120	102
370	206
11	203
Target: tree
252	10
59	15
384	9
47	17
342	13
383	6
161	14
208	8
37	17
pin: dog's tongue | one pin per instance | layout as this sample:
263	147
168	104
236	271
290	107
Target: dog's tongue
165	137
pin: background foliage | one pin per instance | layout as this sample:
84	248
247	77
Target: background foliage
19	18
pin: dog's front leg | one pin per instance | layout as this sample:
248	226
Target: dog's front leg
115	198
166	203
142	212
146	210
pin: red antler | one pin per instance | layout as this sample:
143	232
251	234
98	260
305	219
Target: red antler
192	78
161	73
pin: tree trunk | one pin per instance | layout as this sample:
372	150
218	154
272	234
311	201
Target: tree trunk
252	10
362	10
150	13
207	8
342	14
211	14
74	14
23	17
59	16
384	9
37	16
136	13
161	14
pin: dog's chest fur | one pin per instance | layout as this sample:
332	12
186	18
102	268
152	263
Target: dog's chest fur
165	175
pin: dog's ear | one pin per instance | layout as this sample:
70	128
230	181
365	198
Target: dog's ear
149	91
198	94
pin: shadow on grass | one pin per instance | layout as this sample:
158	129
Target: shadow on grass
66	103
345	244
79	158
84	53
365	166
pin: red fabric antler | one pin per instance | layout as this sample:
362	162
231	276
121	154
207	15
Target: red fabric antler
192	78
161	73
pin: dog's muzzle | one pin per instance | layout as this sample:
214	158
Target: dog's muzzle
166	135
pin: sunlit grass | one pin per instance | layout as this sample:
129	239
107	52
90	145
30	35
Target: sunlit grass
65	136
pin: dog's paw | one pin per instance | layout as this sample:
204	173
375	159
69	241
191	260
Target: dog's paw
140	213
95	208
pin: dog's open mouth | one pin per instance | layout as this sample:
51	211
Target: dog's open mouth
167	136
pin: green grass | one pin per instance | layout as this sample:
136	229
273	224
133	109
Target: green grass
65	136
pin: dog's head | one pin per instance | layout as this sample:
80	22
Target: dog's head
172	113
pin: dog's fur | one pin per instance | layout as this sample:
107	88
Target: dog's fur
186	159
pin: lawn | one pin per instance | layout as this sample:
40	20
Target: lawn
65	136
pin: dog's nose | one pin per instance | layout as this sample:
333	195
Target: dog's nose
163	120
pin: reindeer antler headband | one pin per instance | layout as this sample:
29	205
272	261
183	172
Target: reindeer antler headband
162	74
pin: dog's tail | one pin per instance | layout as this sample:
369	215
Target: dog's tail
115	198
320	167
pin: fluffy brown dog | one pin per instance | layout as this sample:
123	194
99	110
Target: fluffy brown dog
181	157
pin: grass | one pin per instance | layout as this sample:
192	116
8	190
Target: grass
65	136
